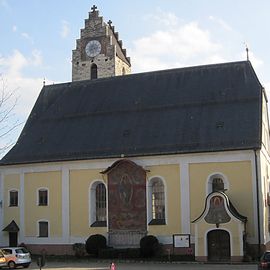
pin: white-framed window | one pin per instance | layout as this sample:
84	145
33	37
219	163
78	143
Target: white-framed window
156	201
43	228
217	182
42	197
98	204
13	198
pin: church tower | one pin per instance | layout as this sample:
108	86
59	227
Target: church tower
99	52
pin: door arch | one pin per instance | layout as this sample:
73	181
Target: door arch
218	245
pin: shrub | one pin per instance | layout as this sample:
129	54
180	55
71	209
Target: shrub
79	249
94	243
149	246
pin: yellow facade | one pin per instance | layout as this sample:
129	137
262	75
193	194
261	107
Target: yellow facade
170	174
239	177
234	228
52	212
80	183
11	182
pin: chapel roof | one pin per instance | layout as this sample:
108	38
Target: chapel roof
186	110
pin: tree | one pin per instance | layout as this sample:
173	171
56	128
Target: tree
8	120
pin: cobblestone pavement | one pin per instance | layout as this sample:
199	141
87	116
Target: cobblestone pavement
141	266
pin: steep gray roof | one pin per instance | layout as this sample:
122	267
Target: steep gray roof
194	109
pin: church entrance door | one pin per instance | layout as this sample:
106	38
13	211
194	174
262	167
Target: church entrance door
218	242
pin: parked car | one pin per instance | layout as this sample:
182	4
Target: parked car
3	261
264	262
16	256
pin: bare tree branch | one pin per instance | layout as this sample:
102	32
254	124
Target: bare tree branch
8	120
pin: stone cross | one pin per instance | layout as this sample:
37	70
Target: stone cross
93	8
110	23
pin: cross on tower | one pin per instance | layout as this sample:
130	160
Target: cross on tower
93	8
110	23
247	53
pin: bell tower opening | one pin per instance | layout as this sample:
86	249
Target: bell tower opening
94	72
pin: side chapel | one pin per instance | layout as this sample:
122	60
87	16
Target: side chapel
181	154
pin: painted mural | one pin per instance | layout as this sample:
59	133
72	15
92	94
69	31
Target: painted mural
217	213
127	197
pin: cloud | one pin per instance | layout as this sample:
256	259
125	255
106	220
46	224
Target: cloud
186	44
37	58
181	45
26	88
12	64
162	18
221	22
12	68
14	28
27	37
65	30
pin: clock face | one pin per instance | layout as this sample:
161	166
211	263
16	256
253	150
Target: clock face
93	48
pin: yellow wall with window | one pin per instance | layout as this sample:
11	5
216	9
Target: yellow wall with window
239	176
52	212
80	182
11	182
170	174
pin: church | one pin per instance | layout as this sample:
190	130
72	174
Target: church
181	154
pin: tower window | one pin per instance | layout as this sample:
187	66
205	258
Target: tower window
93	71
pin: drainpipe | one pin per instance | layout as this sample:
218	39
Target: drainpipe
258	205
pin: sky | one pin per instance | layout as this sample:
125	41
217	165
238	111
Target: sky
37	38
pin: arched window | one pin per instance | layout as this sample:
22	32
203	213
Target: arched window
123	71
157	201
98	205
100	202
93	71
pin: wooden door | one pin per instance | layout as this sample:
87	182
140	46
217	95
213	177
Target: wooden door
218	242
